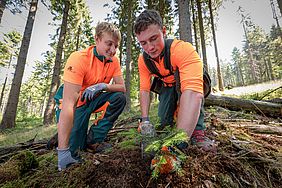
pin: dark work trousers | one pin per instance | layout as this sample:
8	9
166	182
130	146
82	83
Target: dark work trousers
97	133
168	104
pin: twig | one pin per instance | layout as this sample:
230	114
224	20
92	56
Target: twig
258	109
168	184
126	121
270	92
269	177
252	155
149	182
239	120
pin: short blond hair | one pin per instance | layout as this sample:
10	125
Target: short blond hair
110	28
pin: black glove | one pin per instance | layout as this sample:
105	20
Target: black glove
90	92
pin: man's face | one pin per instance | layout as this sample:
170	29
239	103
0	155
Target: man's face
106	45
152	40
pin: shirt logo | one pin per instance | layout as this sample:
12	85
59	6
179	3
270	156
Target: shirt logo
71	69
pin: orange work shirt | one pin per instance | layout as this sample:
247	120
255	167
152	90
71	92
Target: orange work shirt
85	69
184	57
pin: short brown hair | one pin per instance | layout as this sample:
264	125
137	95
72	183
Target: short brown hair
110	28
146	18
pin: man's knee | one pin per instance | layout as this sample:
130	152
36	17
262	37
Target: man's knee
117	104
118	99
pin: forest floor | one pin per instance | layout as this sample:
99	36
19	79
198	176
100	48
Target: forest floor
249	154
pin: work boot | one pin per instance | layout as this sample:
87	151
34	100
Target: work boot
99	147
182	145
53	142
199	139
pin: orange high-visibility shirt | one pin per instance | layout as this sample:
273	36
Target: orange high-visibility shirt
85	69
184	57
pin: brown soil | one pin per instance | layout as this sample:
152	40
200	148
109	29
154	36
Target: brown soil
243	159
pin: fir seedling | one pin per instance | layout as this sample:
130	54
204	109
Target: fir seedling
168	158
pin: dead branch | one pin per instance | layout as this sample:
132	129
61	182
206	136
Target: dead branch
270	92
264	108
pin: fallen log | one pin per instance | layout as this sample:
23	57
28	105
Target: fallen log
264	108
7	152
265	129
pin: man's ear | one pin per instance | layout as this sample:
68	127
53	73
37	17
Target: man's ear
164	31
96	39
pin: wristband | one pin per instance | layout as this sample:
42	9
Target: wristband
145	119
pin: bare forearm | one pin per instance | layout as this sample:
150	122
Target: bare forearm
115	88
144	103
65	126
70	96
189	111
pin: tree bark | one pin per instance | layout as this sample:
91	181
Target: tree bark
219	76
49	111
128	56
280	5
162	9
241	71
5	82
250	52
149	4
2	8
264	108
270	68
9	116
184	20
202	33
2	92
194	25
77	38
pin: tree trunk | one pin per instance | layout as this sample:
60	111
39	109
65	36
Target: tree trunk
49	111
194	25
280	5
128	56
2	92
219	76
250	52
275	17
149	4
202	33
184	20
241	72
9	116
5	82
264	108
270	69
162	9
2	8
77	38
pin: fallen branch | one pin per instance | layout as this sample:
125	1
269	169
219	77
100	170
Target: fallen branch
252	120
249	154
265	129
7	152
264	108
126	121
270	92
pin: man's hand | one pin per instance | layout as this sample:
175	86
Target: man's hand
147	129
65	159
90	92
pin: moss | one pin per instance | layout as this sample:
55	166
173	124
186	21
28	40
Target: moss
226	181
26	161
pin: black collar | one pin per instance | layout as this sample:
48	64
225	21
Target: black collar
101	57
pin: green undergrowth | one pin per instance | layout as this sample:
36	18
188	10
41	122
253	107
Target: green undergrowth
25	130
265	95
